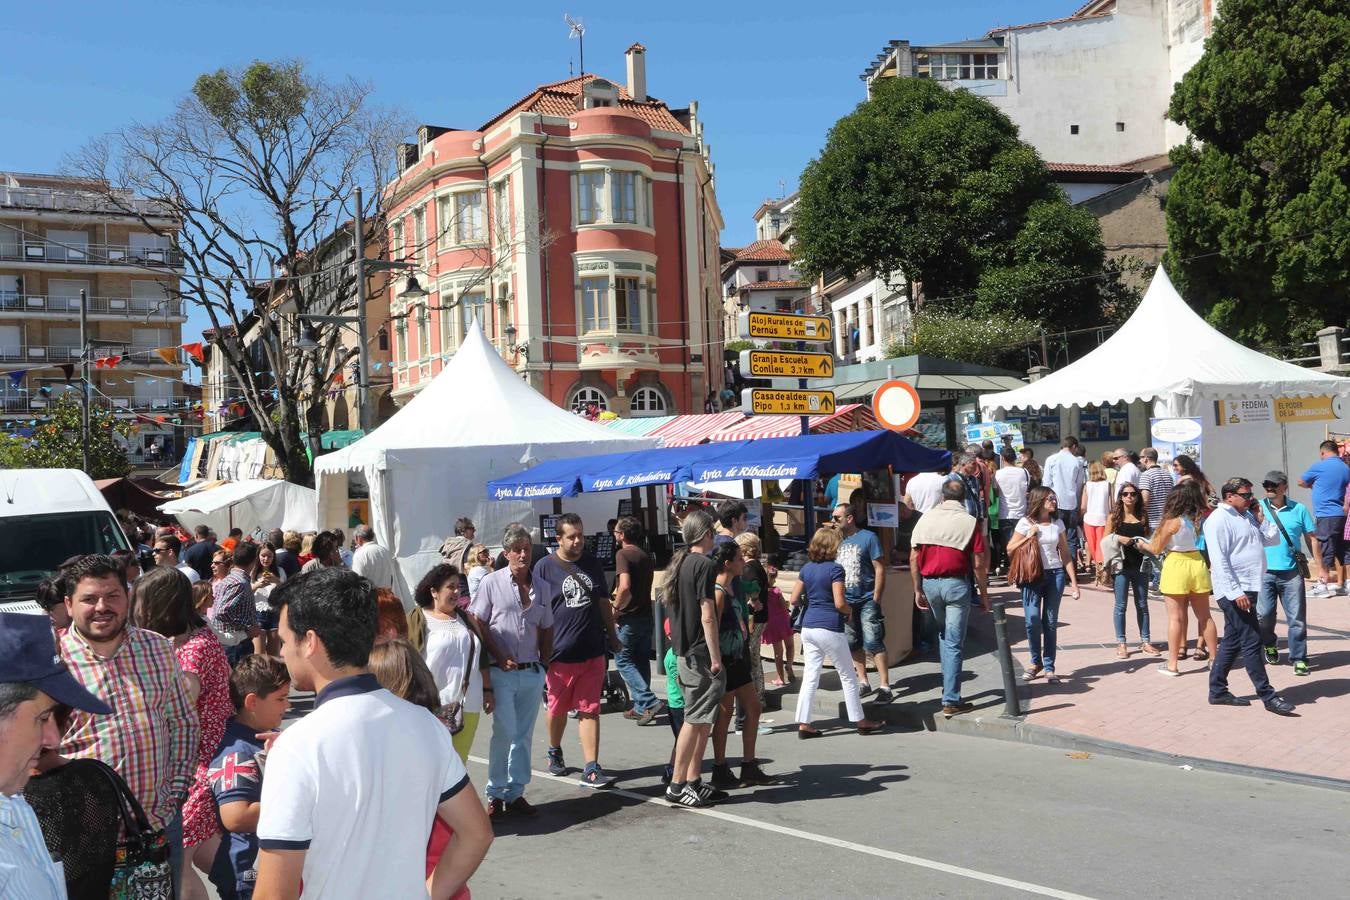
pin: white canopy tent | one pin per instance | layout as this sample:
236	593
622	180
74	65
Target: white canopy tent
431	462
1169	355
255	505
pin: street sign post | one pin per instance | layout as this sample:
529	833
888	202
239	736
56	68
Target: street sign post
785	327
786	364
769	401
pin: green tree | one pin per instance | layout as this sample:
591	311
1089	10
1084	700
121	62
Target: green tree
993	340
56	440
1258	213
935	184
13	451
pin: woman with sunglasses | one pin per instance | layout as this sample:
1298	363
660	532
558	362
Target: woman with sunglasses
1129	522
1040	599
1185	578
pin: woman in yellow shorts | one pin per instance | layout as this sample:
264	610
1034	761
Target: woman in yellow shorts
1185	576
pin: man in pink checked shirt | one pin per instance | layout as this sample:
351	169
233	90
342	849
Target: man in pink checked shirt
151	737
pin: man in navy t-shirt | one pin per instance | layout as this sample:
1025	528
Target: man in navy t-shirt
1328	478
573	583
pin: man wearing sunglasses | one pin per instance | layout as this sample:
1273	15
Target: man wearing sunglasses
1284	572
1237	534
1126	471
167	548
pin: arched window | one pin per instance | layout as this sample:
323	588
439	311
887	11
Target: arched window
585	396
648	401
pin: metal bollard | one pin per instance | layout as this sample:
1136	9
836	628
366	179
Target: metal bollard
1011	707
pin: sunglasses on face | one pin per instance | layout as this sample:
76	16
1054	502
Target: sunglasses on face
160	550
1129	493
1270	486
1245	495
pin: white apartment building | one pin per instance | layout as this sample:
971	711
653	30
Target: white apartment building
60	236
1090	88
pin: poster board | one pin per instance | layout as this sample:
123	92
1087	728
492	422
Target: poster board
883	515
1104	423
999	432
1176	436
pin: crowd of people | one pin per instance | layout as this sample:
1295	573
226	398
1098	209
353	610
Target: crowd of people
141	723
1135	526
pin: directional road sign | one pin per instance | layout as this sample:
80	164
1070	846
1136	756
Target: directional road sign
761	401
785	327
786	364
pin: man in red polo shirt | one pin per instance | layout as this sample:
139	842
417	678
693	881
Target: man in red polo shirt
948	553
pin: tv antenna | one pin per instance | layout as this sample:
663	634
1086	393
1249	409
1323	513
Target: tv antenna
577	29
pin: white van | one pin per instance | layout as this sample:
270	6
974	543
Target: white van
46	517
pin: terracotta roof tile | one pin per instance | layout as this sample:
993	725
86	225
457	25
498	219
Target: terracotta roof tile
772	285
1090	169
560	99
769	250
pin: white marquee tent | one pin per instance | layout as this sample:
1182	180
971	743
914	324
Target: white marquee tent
1169	355
431	462
250	505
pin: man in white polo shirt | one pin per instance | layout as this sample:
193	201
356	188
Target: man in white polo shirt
350	791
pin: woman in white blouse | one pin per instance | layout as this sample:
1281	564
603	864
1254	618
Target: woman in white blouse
1040	599
453	650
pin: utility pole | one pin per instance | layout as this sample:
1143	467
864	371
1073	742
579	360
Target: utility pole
84	379
363	351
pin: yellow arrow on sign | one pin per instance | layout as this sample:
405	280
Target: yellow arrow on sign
766	401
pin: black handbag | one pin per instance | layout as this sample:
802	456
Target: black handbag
142	870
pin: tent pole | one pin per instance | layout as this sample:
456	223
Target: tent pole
650	512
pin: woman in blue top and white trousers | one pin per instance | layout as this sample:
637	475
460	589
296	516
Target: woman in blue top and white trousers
822	581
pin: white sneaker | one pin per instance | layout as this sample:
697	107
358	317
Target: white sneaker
1319	590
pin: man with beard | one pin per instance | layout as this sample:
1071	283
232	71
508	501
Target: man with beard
151	737
572	582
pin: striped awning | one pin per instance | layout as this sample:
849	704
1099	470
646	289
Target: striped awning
849	417
694	428
638	427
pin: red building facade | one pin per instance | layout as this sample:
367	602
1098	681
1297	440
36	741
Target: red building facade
580	228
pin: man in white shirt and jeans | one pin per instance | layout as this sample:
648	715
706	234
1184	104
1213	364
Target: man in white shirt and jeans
1126	471
350	791
1236	535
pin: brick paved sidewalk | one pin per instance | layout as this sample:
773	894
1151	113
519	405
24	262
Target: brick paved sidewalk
1127	701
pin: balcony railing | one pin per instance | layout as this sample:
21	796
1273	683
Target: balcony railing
56	200
92	254
130	307
57	354
16	405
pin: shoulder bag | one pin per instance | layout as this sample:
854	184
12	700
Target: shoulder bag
1300	558
453	713
141	870
1024	563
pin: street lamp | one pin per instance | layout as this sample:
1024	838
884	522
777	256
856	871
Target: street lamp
411	291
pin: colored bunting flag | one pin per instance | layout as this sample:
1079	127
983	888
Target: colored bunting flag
195	351
168	354
17	376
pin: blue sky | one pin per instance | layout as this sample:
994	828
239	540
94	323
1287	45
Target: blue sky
770	78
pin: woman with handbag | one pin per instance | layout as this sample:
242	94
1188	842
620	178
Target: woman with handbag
454	654
820	592
733	635
1185	578
1128	521
1042	530
399	669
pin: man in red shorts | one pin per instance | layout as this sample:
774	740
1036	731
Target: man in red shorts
573	584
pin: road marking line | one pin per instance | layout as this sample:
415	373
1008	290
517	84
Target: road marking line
907	859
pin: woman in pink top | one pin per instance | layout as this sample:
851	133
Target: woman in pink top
164	604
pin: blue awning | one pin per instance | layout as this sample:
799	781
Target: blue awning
810	455
805	456
604	472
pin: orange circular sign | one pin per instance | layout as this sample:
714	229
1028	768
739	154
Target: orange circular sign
896	405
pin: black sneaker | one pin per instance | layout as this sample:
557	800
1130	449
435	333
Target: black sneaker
753	776
723	777
866	690
556	766
706	793
595	777
683	796
667	775
883	694
1272	655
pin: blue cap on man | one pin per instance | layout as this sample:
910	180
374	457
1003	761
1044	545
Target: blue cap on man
28	656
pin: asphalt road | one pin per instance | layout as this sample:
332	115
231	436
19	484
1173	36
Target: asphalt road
916	815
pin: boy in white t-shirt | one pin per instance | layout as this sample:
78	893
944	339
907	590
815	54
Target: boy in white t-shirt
347	807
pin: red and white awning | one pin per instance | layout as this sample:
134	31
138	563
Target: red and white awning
849	417
694	428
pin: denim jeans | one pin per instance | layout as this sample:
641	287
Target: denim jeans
1040	606
1138	582
1289	585
1070	519
518	696
634	659
1241	634
949	604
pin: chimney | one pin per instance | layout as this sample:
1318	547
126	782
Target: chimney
637	72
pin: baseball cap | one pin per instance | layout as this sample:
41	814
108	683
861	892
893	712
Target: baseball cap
1275	476
28	656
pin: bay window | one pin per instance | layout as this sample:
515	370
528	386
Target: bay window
623	189
628	304
590	197
474	306
594	304
468	219
501	212
613	197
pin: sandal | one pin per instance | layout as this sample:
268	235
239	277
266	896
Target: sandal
867	726
804	733
1148	648
777	682
1051	678
1030	674
1122	652
1201	654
